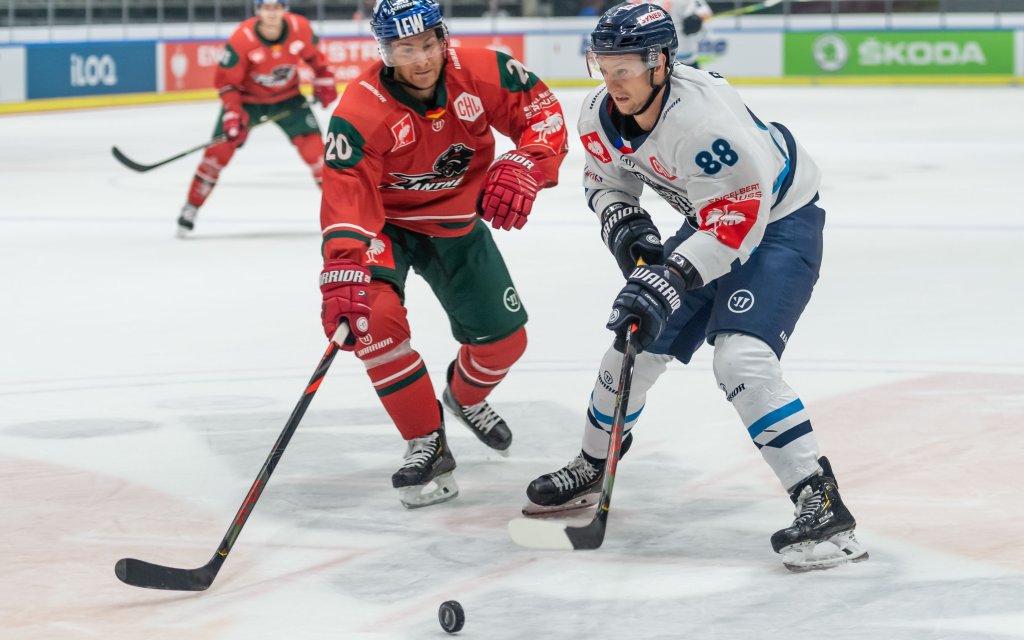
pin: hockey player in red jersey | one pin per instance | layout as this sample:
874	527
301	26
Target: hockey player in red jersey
411	182
258	78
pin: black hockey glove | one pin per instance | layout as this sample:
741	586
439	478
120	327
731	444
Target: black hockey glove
650	296
631	236
692	24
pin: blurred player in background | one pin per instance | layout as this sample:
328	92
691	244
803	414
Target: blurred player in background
741	185
258	77
410	182
690	18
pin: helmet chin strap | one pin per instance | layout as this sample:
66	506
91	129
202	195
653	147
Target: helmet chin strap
655	90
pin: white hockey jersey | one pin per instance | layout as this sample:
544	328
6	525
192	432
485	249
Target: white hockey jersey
710	157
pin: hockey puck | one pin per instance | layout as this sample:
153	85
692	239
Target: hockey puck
451	616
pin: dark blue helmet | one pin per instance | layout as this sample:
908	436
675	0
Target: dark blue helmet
397	19
646	29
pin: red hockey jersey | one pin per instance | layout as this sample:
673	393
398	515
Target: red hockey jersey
392	159
261	71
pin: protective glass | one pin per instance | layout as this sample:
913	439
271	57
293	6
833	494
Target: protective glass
412	50
620	66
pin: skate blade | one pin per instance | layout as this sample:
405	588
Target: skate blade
182	233
441	489
842	548
589	500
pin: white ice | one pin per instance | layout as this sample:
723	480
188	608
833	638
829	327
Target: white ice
144	379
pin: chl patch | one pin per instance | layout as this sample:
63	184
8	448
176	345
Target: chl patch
468	107
592	143
515	77
403	132
343	148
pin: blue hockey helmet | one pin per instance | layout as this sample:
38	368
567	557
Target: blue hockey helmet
397	19
260	3
645	29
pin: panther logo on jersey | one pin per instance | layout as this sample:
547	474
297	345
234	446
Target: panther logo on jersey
449	169
454	161
279	77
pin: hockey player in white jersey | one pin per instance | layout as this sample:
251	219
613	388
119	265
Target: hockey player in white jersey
737	274
690	17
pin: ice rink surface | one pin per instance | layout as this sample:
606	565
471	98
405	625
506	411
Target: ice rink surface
144	379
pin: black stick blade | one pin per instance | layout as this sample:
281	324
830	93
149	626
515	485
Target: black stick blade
128	162
138	573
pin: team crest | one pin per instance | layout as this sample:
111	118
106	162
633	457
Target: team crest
592	143
403	132
448	171
279	77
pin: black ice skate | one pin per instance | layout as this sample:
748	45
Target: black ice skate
575	486
425	478
821	517
481	419
187	220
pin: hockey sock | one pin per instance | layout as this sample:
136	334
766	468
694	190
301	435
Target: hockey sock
214	160
750	374
311	148
405	390
396	370
598	425
479	368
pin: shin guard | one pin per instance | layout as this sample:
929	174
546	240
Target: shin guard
214	160
311	148
749	373
396	370
598	426
479	368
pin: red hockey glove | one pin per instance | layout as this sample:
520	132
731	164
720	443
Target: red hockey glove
509	190
234	122
325	90
343	284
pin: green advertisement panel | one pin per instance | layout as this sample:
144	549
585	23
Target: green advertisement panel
889	53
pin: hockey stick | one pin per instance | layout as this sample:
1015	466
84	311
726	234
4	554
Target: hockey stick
142	168
758	6
139	573
541	534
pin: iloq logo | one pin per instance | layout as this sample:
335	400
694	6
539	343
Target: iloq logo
91	71
831	52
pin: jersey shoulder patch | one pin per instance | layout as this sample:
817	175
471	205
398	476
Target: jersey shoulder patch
514	76
344	145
